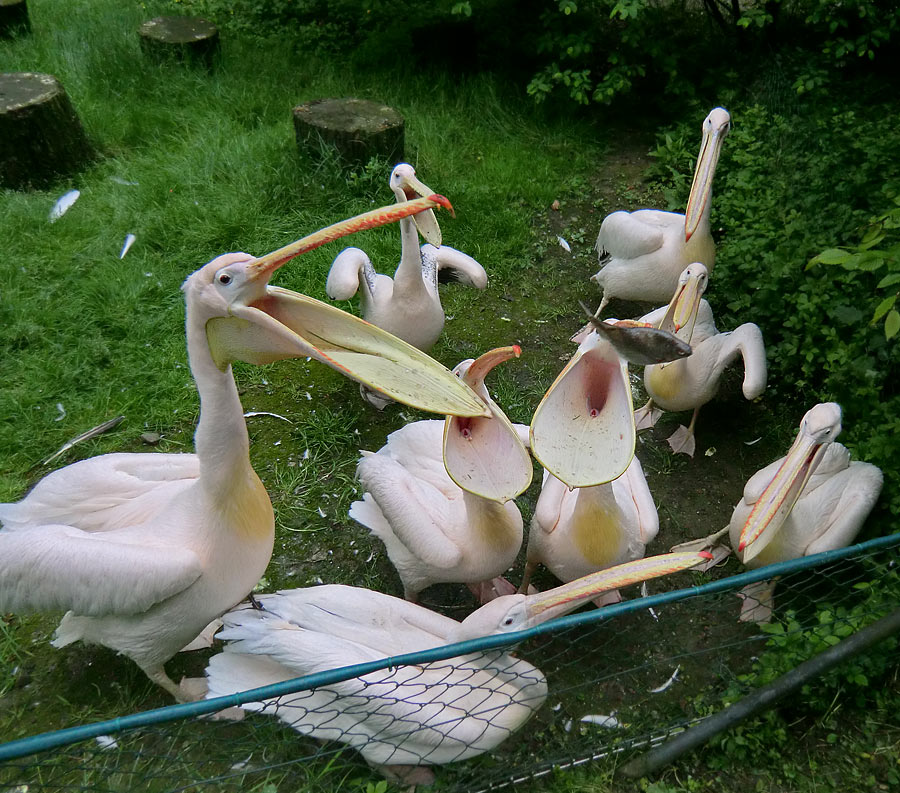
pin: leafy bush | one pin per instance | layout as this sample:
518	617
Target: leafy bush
786	189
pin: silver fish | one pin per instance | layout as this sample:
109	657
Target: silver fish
640	344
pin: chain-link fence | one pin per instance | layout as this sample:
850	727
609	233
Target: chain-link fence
490	712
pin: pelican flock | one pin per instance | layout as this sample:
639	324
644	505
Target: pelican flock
143	551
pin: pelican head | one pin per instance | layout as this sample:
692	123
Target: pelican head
715	128
582	431
248	320
510	613
407	187
820	426
681	314
470	444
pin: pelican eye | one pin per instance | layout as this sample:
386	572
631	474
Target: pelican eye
224	278
508	621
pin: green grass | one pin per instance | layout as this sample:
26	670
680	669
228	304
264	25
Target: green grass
217	170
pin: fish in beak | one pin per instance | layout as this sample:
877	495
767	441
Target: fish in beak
407	187
715	128
820	426
267	323
638	342
583	429
681	314
485	455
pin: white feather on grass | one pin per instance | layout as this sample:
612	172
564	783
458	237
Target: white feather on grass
129	241
63	204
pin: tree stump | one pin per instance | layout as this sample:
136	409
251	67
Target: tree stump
182	39
357	128
13	18
41	137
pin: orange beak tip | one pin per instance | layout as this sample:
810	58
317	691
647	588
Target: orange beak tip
517	350
444	202
687	236
705	555
742	545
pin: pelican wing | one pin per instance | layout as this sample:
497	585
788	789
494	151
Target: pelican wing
416	511
286	324
104	492
462	267
59	567
625	236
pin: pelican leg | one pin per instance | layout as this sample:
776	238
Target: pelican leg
758	601
646	417
406	774
682	440
607	598
375	399
158	675
530	567
486	591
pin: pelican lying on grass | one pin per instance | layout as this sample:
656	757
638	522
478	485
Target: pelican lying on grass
812	500
641	253
405	718
439	494
577	532
691	382
144	550
408	305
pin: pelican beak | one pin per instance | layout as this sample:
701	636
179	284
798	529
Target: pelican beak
425	221
776	501
485	455
701	188
583	429
283	324
563	599
681	314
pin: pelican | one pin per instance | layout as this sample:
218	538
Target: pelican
405	718
577	532
812	500
439	494
691	382
582	431
641	253
144	550
408	305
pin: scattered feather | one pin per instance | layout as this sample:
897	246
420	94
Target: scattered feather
563	244
321	512
63	205
664	686
242	764
107	742
610	722
62	412
645	592
306	454
120	180
129	241
253	413
567	726
755	440
106	426
710	451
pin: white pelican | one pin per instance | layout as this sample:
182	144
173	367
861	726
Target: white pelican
408	305
439	494
691	382
812	500
144	550
641	253
405	718
582	431
577	532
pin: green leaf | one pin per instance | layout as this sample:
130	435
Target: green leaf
891	324
832	256
883	307
889	280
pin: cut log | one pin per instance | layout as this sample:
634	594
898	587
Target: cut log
41	137
13	18
182	39
357	128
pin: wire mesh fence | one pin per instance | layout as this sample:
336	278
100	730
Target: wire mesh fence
487	713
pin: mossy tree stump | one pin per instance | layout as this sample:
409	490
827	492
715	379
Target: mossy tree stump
182	39
41	137
357	128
